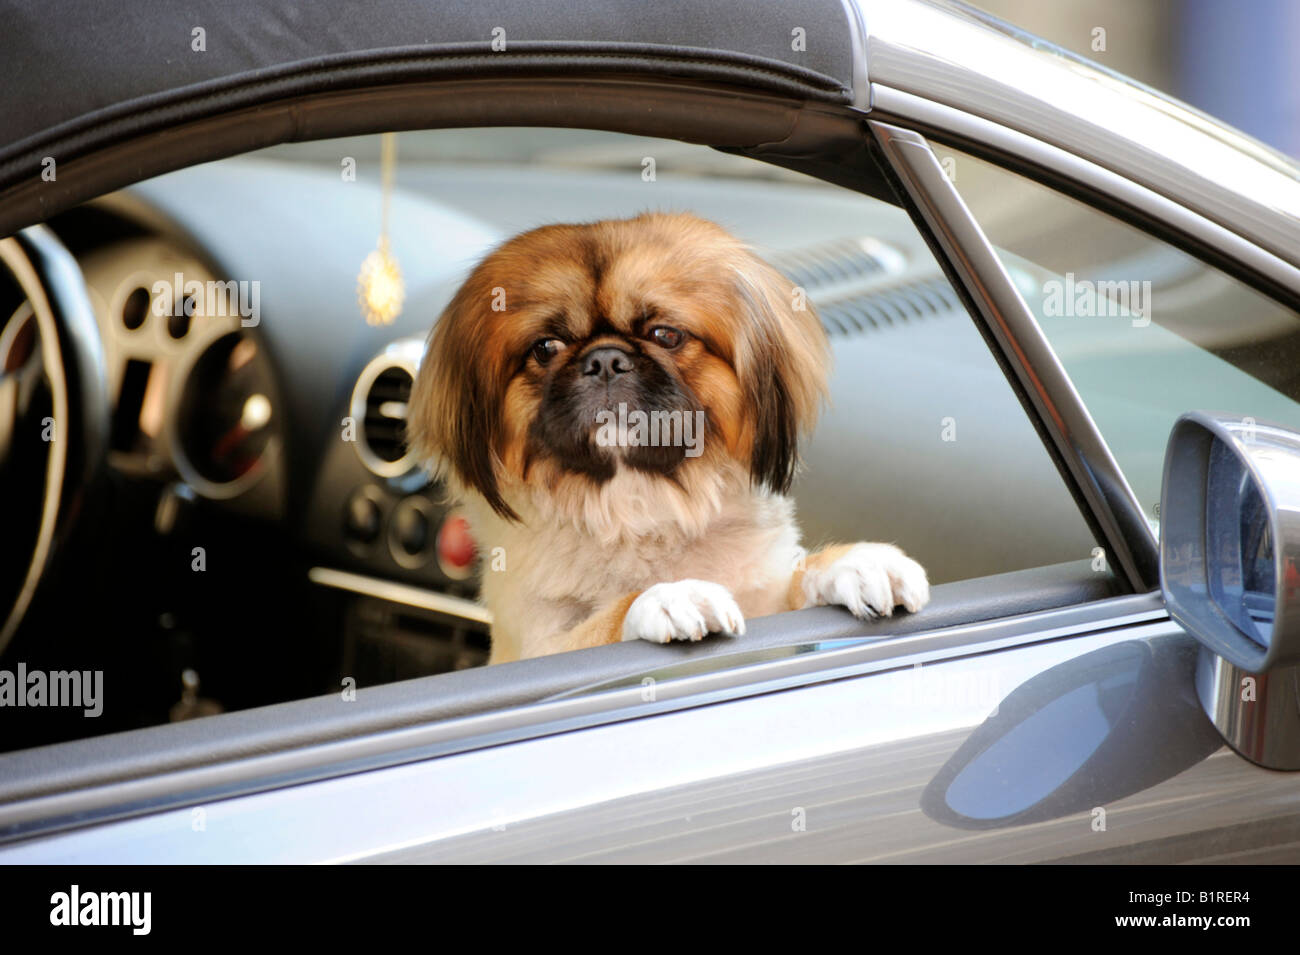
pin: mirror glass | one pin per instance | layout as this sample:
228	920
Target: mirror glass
1239	546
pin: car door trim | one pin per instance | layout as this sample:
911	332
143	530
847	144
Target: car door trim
805	665
860	87
424	808
669	106
976	63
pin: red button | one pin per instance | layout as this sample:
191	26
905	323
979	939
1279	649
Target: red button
455	545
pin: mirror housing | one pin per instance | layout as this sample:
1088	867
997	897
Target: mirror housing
1230	537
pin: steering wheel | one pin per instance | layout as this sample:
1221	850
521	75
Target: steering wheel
54	411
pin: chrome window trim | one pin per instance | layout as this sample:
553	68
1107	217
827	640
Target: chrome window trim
1054	167
861	91
167	791
1022	347
941	53
789	666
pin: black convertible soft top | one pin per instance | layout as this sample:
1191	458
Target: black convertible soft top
83	74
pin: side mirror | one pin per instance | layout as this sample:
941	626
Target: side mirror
1230	572
1230	537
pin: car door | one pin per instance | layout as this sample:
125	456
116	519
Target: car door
1044	717
1058	724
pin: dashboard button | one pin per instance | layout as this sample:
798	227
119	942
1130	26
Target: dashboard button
410	528
456	548
362	520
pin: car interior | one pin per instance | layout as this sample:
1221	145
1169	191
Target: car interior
259	533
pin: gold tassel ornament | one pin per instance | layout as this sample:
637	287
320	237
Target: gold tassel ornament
380	289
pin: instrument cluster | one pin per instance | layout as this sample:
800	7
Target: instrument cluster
193	391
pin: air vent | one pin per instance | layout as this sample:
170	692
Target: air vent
888	307
379	405
385	423
839	262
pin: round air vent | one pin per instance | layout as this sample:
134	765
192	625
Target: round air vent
384	430
379	404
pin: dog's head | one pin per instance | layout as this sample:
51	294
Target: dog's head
658	344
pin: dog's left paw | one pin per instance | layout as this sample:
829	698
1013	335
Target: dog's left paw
870	580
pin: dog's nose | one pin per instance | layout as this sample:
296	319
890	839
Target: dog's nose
607	362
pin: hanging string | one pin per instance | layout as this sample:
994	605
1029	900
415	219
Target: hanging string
387	169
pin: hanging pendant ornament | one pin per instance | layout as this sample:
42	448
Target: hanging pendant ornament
380	291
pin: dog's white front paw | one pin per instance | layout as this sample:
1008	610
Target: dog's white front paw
682	610
870	580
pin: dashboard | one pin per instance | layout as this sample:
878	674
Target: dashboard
197	407
258	418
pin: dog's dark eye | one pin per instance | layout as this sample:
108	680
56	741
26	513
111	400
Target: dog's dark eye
666	337
546	349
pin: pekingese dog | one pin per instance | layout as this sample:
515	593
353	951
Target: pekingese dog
617	407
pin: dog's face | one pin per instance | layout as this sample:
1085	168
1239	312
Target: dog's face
656	344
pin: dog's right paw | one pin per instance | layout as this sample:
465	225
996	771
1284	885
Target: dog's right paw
682	610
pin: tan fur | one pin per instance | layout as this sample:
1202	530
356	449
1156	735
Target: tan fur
604	626
795	598
565	556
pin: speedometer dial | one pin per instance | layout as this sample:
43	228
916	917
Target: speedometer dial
226	420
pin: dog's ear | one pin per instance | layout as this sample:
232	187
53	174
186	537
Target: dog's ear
454	418
782	362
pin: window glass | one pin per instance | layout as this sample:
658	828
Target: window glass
1145	331
922	442
266	508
